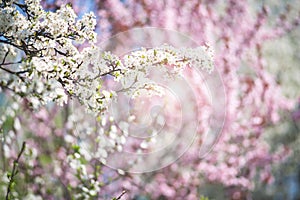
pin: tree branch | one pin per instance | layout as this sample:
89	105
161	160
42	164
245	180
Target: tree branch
120	196
14	172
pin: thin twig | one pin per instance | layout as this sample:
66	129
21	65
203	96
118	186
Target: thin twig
14	171
120	196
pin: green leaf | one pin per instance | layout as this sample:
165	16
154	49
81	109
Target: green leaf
76	148
8	175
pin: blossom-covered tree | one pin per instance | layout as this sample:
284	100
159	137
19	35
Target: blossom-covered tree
52	56
41	62
254	97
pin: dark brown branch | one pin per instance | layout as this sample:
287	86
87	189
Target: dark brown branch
12	63
14	73
109	72
120	196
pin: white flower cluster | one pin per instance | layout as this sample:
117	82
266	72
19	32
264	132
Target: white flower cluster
170	60
178	58
31	23
91	186
53	68
132	71
45	41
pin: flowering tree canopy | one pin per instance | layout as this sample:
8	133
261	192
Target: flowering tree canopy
52	53
41	63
